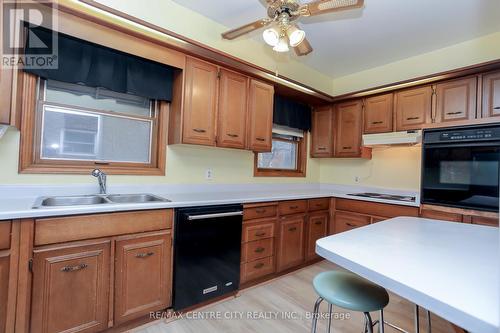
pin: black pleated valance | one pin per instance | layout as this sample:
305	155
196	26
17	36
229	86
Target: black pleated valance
94	65
290	113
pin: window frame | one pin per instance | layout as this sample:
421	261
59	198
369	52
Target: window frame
301	169
30	160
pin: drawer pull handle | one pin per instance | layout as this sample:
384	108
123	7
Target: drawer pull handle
199	130
260	211
259	265
496	108
294	207
232	135
74	268
292	229
348	147
319	205
259	250
453	113
260	234
260	139
144	255
351	225
377	122
318	222
321	148
412	118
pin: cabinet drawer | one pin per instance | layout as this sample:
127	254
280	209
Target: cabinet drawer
256	269
438	215
488	221
256	231
5	228
257	249
319	204
292	207
349	221
259	212
70	228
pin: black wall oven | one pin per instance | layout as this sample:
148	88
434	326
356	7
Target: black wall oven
460	167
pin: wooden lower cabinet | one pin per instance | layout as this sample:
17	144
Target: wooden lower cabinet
291	242
142	275
345	221
71	287
317	225
438	215
4	287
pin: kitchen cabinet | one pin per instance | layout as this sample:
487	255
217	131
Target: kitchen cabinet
491	95
142	275
6	77
345	221
291	241
348	119
71	287
292	207
378	114
317	224
260	116
456	100
200	102
439	215
322	133
413	108
232	111
4	287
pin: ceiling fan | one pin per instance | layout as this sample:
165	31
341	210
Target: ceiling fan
282	15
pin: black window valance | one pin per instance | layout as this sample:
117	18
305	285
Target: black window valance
94	65
290	113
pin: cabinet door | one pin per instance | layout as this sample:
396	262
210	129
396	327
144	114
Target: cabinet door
378	114
200	103
491	95
316	228
142	275
291	243
345	221
322	132
5	95
233	92
348	129
4	287
413	108
260	109
456	100
71	288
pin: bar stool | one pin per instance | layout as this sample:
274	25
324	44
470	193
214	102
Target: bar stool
351	292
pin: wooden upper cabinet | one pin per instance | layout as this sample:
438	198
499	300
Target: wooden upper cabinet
348	119
456	100
71	288
413	108
491	95
260	115
322	132
378	114
200	102
4	287
291	242
317	225
142	275
232	116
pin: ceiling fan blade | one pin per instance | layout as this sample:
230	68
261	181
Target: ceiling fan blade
235	33
303	48
327	6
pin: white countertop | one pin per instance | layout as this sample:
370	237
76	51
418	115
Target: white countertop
15	202
451	269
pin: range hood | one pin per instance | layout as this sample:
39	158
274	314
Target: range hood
405	138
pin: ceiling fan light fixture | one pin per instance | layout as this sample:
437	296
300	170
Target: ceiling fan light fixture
295	35
271	36
282	45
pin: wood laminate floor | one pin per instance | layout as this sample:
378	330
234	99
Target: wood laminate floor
284	305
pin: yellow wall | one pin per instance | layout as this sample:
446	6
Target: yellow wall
393	167
185	164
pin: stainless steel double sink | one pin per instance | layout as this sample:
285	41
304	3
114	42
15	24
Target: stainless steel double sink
96	199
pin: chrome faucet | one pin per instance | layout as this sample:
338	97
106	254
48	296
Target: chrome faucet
101	178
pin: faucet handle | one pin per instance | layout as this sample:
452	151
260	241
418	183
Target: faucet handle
96	172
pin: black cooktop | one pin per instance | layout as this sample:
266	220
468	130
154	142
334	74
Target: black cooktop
406	198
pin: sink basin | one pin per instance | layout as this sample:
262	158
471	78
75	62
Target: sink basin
101	199
135	198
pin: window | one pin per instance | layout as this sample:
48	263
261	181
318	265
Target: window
78	127
286	159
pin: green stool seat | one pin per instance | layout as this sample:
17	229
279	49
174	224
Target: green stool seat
350	291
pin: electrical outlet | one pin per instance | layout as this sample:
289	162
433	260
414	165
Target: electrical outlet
357	179
209	174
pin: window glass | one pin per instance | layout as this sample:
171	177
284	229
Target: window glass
282	156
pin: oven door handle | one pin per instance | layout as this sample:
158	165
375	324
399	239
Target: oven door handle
215	215
463	144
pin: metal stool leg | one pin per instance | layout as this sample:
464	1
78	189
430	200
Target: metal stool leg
369	322
417	320
381	322
429	328
316	314
330	314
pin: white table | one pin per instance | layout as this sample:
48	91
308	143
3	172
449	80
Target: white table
451	269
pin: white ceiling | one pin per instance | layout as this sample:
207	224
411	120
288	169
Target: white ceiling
382	32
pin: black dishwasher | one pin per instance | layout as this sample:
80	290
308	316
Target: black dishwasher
207	251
